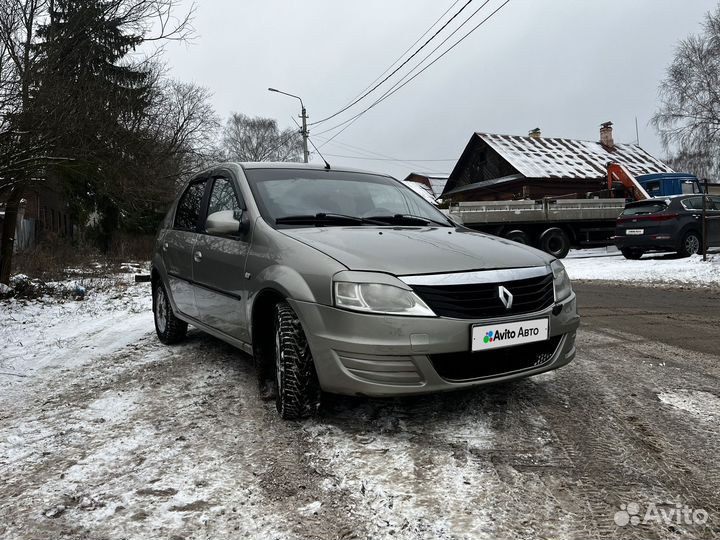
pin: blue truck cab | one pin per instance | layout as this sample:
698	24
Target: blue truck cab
664	184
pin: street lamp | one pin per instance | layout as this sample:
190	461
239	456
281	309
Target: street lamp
303	115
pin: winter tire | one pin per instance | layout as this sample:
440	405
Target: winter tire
632	253
169	328
298	391
691	244
555	242
521	237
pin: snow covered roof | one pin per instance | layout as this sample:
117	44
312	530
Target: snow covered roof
421	189
438	184
569	158
435	183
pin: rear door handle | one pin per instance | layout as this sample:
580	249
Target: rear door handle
197	256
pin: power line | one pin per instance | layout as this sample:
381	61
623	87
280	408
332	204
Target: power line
408	49
391	159
396	69
399	86
387	93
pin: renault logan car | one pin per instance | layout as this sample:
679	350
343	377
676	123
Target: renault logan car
349	282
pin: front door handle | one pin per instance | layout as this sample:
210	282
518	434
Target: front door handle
197	256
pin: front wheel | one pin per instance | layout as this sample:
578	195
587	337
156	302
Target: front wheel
298	390
690	245
168	327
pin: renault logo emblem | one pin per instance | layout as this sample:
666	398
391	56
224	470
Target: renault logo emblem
506	297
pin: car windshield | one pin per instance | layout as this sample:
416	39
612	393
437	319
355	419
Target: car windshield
306	197
646	208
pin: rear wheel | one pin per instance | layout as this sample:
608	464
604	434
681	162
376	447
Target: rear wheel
690	245
521	237
298	391
169	328
555	242
632	253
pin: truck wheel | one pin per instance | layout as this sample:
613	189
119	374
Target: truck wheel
298	391
555	242
521	237
632	253
168	327
691	244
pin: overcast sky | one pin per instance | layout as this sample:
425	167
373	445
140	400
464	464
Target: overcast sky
564	66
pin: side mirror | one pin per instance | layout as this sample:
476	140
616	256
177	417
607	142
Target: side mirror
224	222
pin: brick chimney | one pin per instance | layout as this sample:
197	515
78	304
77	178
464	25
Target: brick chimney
535	133
606	135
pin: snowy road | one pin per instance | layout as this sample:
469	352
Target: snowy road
104	433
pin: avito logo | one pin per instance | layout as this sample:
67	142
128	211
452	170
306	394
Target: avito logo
497	335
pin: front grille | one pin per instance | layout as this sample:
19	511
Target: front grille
467	366
482	300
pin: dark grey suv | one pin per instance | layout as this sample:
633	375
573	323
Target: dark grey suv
667	224
350	282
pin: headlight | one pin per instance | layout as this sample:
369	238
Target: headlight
379	298
561	281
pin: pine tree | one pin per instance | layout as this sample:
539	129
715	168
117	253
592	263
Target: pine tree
97	97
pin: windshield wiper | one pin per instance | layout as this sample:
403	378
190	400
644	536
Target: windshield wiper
323	218
405	218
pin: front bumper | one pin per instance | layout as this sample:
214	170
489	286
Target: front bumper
376	355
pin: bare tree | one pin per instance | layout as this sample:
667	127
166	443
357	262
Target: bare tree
688	119
259	139
184	120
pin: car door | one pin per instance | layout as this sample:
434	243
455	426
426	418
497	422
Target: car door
178	244
219	264
713	220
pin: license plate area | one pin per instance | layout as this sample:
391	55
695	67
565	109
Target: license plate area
635	232
496	336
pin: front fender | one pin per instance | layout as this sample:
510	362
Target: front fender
286	281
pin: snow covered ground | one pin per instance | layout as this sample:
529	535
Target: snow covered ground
37	333
105	433
608	264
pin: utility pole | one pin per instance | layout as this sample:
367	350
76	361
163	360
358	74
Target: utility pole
304	131
704	221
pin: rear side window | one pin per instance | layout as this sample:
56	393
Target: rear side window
188	210
696	203
647	208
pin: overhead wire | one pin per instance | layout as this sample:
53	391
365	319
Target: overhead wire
397	84
408	49
400	84
363	96
390	159
387	93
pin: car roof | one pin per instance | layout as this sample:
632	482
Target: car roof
668	199
294	165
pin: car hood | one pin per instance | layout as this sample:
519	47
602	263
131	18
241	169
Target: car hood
417	250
